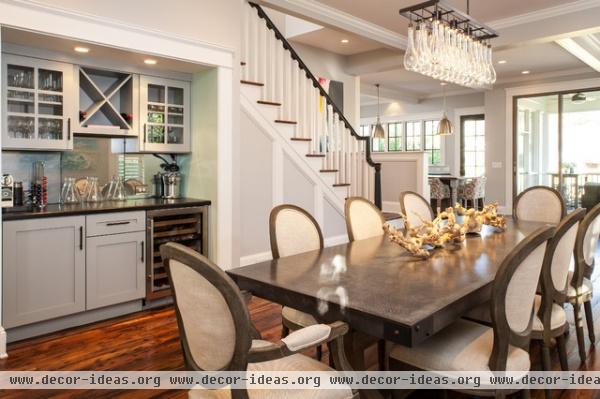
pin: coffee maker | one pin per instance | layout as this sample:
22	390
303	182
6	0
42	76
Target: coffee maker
167	183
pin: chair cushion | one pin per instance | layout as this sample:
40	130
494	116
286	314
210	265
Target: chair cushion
290	363
297	317
462	346
559	316
586	288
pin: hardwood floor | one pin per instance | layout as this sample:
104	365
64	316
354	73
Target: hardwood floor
149	341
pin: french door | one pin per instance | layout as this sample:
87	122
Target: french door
556	141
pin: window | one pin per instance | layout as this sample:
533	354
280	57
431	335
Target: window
433	143
395	136
472	143
377	145
131	167
413	136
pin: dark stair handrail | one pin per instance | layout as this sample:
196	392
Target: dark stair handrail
315	82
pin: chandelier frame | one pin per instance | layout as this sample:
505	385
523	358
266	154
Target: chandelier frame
442	11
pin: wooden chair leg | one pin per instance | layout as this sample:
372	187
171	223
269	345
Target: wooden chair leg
589	319
319	353
525	394
381	354
562	352
579	331
546	365
331	362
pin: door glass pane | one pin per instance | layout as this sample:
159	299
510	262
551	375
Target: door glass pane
20	127
156	134
50	129
156	94
175	135
19	76
537	141
580	162
175	95
50	80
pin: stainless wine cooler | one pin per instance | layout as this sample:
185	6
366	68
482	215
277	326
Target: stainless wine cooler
187	226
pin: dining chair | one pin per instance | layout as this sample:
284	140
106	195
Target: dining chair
540	204
293	230
550	319
438	191
580	288
217	335
363	219
472	190
469	346
415	208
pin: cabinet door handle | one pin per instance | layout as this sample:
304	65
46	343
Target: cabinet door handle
81	238
142	250
117	223
145	130
69	129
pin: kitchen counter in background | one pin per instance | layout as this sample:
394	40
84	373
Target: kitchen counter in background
53	210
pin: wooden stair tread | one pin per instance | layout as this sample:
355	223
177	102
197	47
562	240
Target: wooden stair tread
248	82
315	155
341	184
329	171
300	139
286	122
264	102
242	63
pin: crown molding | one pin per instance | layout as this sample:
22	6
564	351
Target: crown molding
329	16
545	13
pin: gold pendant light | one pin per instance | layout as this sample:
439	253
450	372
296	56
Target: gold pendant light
378	132
444	127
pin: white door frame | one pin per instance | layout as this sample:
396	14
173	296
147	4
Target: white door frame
41	18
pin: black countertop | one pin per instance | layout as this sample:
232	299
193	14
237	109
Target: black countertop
53	210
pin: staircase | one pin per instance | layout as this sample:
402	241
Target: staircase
280	92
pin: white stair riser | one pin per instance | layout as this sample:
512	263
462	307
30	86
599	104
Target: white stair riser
315	163
253	93
285	129
269	111
302	147
341	191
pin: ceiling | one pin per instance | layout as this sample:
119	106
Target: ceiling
527	42
118	56
385	12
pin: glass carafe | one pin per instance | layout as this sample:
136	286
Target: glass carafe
118	193
92	191
69	194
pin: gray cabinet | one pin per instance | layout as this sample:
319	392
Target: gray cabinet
115	268
43	269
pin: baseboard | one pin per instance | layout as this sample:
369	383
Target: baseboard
391	206
265	256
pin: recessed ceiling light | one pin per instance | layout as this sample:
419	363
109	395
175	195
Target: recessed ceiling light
150	61
82	49
525	72
443	83
344	41
502	62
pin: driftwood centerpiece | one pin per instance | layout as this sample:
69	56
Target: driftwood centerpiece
444	229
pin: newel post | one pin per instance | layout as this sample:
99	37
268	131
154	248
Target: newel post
378	185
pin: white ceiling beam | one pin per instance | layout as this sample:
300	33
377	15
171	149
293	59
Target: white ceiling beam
389	95
580	52
380	60
322	14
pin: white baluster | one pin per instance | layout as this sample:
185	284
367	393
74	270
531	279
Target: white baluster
280	76
296	92
287	95
349	152
314	118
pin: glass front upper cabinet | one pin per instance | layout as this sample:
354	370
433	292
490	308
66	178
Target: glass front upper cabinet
165	115
36	103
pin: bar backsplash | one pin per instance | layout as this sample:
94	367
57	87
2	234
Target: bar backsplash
90	157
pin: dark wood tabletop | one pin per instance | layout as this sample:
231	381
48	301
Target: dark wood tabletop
379	289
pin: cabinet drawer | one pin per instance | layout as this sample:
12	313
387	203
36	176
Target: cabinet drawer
114	223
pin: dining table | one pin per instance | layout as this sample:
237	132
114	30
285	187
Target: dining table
380	290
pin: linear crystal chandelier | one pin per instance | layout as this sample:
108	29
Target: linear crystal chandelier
446	44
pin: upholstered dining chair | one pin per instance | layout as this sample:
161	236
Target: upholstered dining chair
438	191
581	288
540	204
216	331
293	230
363	219
472	190
550	320
469	346
415	208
